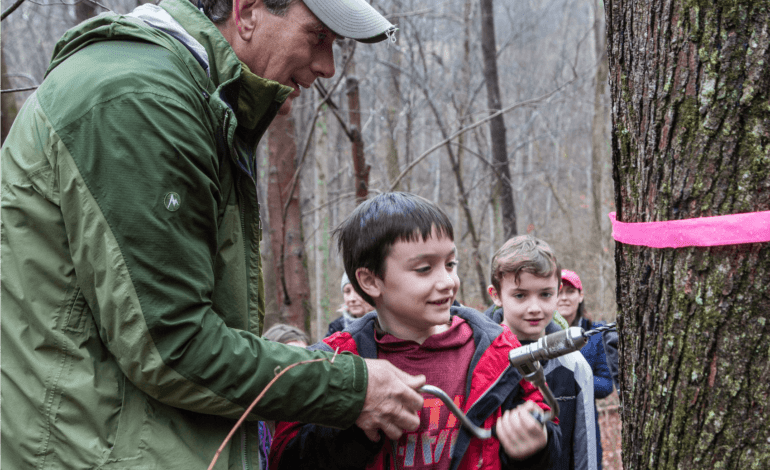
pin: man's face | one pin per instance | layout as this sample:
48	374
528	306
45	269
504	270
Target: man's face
528	305
418	288
292	50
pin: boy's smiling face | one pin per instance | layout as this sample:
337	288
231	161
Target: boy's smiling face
528	305
418	288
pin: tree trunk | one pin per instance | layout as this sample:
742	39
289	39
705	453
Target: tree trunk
394	104
360	167
497	124
84	10
293	288
598	243
690	86
9	111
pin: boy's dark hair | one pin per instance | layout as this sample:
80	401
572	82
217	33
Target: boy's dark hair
524	253
368	233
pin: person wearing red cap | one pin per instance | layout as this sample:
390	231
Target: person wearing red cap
572	308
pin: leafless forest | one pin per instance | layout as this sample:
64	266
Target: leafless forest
425	127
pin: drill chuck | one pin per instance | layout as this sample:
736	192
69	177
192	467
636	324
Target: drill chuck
527	358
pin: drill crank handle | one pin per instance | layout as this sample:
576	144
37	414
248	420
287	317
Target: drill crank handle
481	433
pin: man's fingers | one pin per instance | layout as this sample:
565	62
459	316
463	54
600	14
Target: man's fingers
413	381
392	401
393	432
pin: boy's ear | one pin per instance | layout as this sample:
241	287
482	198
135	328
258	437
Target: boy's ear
493	293
368	282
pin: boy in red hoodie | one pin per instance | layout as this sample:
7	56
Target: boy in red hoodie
400	256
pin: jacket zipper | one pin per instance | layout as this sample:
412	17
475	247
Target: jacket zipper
243	447
242	210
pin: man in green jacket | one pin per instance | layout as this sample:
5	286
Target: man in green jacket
132	297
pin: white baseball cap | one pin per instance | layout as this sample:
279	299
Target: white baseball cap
354	19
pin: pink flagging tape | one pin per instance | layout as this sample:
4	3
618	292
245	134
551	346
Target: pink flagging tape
750	227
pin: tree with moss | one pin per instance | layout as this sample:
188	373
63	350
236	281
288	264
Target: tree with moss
690	87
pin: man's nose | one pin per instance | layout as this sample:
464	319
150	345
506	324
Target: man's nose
323	62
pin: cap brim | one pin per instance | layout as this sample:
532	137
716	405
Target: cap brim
354	19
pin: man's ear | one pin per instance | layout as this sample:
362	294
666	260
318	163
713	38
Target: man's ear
493	293
246	15
369	283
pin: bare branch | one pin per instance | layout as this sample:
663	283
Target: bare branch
11	9
14	90
69	4
477	124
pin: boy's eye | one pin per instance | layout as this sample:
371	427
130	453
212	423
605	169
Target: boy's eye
518	296
321	36
451	264
547	295
423	269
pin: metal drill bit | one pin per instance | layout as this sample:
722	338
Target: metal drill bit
600	329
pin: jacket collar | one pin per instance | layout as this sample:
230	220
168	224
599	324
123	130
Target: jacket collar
256	99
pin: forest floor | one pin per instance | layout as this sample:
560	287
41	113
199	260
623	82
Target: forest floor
609	424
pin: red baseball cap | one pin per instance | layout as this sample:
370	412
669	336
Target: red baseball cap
572	278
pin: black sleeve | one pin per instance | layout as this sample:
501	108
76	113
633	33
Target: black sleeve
610	339
335	326
325	448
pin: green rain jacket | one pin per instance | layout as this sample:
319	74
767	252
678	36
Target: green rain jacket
132	298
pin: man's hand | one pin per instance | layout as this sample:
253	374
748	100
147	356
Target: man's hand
392	401
519	433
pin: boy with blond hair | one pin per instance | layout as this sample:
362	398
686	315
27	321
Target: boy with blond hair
526	278
399	253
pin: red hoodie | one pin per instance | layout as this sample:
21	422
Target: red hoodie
487	386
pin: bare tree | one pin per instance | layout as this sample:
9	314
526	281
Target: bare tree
8	112
293	289
690	87
497	124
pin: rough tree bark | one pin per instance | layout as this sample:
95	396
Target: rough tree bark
8	111
497	124
690	87
293	288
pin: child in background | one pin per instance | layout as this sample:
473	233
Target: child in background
399	251
572	308
285	334
525	286
353	307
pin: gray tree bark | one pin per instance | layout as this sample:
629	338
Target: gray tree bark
690	87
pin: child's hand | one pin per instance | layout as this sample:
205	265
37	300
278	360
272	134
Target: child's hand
519	433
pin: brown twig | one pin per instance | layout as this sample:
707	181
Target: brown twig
256	400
